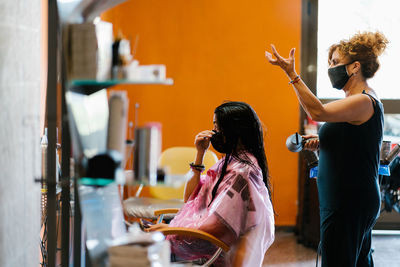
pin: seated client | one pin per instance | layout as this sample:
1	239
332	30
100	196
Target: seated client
233	200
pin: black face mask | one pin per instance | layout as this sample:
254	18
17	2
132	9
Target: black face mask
219	144
338	76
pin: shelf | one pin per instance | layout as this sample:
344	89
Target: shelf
91	86
100	182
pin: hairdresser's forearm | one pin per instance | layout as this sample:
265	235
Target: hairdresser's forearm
192	183
310	103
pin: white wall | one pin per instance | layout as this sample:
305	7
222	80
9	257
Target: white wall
19	132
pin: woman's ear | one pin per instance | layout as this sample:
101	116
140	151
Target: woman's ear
356	67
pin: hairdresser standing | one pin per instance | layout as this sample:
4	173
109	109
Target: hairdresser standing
349	145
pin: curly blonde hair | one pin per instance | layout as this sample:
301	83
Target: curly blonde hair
364	47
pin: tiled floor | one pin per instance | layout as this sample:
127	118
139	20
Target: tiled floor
286	252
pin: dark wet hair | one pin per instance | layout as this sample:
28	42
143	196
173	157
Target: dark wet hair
240	125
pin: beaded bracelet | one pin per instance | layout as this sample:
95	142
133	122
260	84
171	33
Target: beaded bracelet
295	80
199	168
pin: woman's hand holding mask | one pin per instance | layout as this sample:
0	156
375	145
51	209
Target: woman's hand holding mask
202	140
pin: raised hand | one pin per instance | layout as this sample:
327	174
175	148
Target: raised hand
287	64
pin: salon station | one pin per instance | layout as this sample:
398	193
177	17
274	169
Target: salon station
200	133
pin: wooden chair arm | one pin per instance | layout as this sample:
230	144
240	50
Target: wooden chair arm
165	211
194	233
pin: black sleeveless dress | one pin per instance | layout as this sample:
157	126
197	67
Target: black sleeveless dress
348	189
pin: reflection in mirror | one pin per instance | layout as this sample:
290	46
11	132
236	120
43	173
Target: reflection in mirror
89	116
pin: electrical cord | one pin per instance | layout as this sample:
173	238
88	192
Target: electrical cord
43	239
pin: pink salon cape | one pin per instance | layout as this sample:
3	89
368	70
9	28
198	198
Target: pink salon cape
241	205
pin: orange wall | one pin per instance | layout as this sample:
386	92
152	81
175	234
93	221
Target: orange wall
214	51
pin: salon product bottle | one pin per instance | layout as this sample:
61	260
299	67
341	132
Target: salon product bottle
116	135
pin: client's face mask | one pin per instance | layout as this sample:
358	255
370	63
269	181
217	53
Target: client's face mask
338	76
219	144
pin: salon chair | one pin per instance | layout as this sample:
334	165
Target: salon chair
175	161
239	255
192	233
